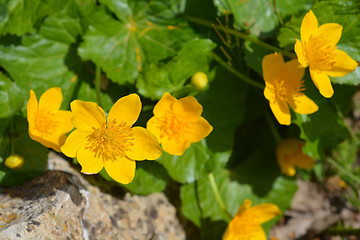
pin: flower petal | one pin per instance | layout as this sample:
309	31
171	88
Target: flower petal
64	121
175	146
281	111
343	65
263	212
302	160
245	231
309	26
294	71
244	207
288	146
126	109
74	142
52	141
199	128
87	115
303	105
121	170
322	82
51	99
32	109
301	54
165	104
90	164
332	31
145	145
187	107
154	127
272	65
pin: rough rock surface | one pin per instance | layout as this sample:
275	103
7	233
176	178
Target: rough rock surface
61	204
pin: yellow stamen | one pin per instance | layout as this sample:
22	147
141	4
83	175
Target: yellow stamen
45	122
172	126
110	141
320	52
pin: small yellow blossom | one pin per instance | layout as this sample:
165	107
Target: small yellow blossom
110	142
246	225
318	50
47	124
14	161
178	123
284	85
199	80
289	155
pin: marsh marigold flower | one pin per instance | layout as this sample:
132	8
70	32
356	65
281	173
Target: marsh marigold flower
246	225
178	123
289	155
199	80
284	85
47	124
318	51
110	142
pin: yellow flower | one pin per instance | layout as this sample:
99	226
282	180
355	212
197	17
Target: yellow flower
284	85
47	124
318	51
289	155
178	123
246	225
99	141
14	161
199	80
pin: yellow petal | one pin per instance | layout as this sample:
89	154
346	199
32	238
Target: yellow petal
309	26
294	71
154	127
272	65
51	99
175	146
165	104
303	105
263	212
343	65
332	31
301	54
302	160
32	109
281	111
52	141
87	115
322	82
244	207
90	164
288	146
64	121
74	142
121	170
187	107
199	128
126	109
145	145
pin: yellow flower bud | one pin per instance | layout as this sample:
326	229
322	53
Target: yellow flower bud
14	161
199	80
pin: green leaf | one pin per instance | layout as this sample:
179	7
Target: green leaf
11	99
189	166
254	55
35	156
23	16
122	47
149	177
264	19
159	78
189	203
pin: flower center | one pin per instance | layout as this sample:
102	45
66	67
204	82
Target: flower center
245	228
320	52
45	122
110	141
285	89
172	126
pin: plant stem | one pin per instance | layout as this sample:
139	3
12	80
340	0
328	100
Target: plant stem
343	170
273	128
343	231
217	195
236	73
97	85
241	35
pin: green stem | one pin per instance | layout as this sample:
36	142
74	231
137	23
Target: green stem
97	85
217	195
241	35
236	73
343	231
273	128
343	170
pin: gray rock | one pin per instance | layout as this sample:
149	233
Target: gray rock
61	204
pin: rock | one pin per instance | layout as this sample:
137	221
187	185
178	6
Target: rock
61	204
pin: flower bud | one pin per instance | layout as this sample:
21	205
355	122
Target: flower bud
14	161
199	80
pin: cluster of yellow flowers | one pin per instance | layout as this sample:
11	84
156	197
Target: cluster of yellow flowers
317	50
109	141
